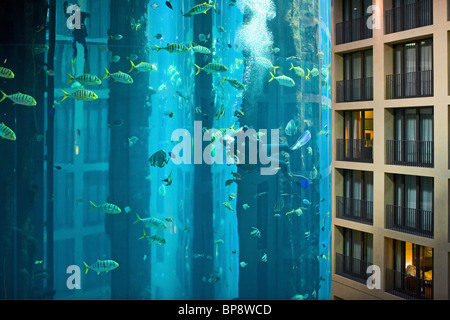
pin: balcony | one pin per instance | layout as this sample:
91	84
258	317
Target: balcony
409	85
410	153
354	210
408	220
352	268
354	90
353	30
410	16
407	286
354	150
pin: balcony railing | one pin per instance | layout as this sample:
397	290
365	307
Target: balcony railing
354	210
410	16
409	85
352	268
408	220
407	286
354	90
410	153
354	150
353	30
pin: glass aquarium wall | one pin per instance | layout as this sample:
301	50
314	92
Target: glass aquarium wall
176	150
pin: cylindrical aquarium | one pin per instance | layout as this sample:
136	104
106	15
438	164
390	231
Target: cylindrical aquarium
165	150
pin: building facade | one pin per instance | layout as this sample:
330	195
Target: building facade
391	168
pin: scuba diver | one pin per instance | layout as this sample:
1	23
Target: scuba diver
78	35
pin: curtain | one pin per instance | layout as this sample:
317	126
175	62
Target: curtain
398	263
357	191
398	136
398	70
398	219
411	201
410	135
357	62
425	65
426	135
369	248
410	64
368	73
356	130
426	203
368	180
347	246
356	253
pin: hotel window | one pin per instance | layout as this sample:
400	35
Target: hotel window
413	70
96	132
412	211
357	144
357	201
357	255
413	138
408	14
412	273
354	17
358	77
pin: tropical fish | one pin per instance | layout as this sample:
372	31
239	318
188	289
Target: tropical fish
102	266
169	5
19	98
106	208
143	67
212	68
151	222
313	173
306	201
283	80
6	73
243	264
168	219
127	209
235	83
154	6
228	206
239	113
298	212
158	36
159	159
255	233
7	133
135	25
279	205
213	278
220	112
155	238
221	29
300	297
119	76
200	8
169	179
245	206
264	257
291	128
80	94
169	114
236	175
132	57
201	49
304	138
298	70
85	79
314	72
132	141
275	50
320	54
116	37
115	58
229	182
174	48
203	38
266	63
310	151
307	235
232	196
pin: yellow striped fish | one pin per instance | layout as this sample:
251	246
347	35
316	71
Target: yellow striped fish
235	83
200	8
6	73
175	48
106	208
212	68
86	79
201	49
119	76
102	266
143	67
283	80
7	133
80	94
152	222
155	238
19	98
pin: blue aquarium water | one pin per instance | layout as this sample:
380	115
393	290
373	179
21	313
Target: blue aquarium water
141	194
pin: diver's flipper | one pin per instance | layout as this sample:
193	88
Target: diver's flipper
74	66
